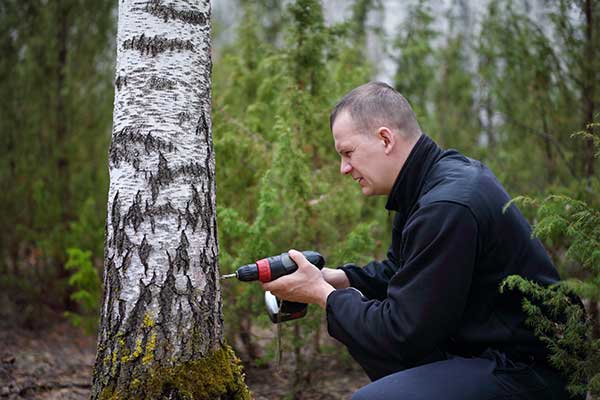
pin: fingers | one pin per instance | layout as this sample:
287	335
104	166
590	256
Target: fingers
298	258
273	286
282	283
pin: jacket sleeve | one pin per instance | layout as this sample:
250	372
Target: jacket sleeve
425	298
372	279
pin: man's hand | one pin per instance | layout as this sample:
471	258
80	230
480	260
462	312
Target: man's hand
306	285
336	278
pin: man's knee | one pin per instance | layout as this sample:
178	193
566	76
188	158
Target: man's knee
360	394
380	391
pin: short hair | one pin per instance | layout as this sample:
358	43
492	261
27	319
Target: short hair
377	104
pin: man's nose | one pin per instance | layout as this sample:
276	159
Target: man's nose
345	167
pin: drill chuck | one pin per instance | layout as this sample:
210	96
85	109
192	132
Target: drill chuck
247	273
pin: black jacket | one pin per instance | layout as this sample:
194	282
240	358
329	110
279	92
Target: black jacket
437	291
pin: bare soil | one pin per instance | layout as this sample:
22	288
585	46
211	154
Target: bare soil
56	362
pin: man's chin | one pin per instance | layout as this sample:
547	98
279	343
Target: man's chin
367	191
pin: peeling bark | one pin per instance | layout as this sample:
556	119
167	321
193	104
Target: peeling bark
162	304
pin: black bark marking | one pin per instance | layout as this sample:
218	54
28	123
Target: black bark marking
126	262
152	143
121	81
158	83
122	308
182	258
192	169
136	161
134	214
132	136
202	126
200	315
144	253
158	9
204	261
193	210
163	176
210	291
154	187
149	212
161	211
156	44
106	241
115	218
184	116
207	222
190	218
196	199
122	242
135	318
130	334
110	322
113	287
166	297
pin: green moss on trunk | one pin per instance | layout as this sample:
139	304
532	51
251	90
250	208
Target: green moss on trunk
218	376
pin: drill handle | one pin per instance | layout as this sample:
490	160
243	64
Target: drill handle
284	265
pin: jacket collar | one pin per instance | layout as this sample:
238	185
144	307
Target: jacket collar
409	183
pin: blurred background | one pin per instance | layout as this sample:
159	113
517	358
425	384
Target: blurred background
506	82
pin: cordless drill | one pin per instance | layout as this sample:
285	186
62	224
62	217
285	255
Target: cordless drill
271	268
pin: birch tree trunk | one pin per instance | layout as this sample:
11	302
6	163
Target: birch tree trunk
161	333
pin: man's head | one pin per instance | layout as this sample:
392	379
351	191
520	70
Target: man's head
374	130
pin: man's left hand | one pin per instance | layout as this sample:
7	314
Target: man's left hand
305	285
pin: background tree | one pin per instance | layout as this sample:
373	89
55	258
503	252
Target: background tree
57	60
161	327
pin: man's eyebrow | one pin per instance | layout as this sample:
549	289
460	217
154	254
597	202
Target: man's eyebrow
341	149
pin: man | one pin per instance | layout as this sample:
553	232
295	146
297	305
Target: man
429	321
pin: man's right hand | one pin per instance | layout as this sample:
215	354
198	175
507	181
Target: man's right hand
336	278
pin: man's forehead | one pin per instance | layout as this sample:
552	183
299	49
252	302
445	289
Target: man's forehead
343	128
341	139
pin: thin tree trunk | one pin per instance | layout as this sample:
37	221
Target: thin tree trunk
62	161
161	333
550	161
589	83
245	334
298	383
588	95
61	115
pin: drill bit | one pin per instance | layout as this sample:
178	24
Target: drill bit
228	276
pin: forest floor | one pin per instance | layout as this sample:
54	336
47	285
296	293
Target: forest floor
56	363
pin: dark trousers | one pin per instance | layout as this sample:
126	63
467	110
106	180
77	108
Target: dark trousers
491	376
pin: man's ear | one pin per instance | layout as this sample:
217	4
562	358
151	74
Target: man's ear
387	138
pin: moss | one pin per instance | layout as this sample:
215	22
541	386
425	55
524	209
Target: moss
150	346
148	322
218	375
136	352
113	370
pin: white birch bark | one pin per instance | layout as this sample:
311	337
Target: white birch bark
162	299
